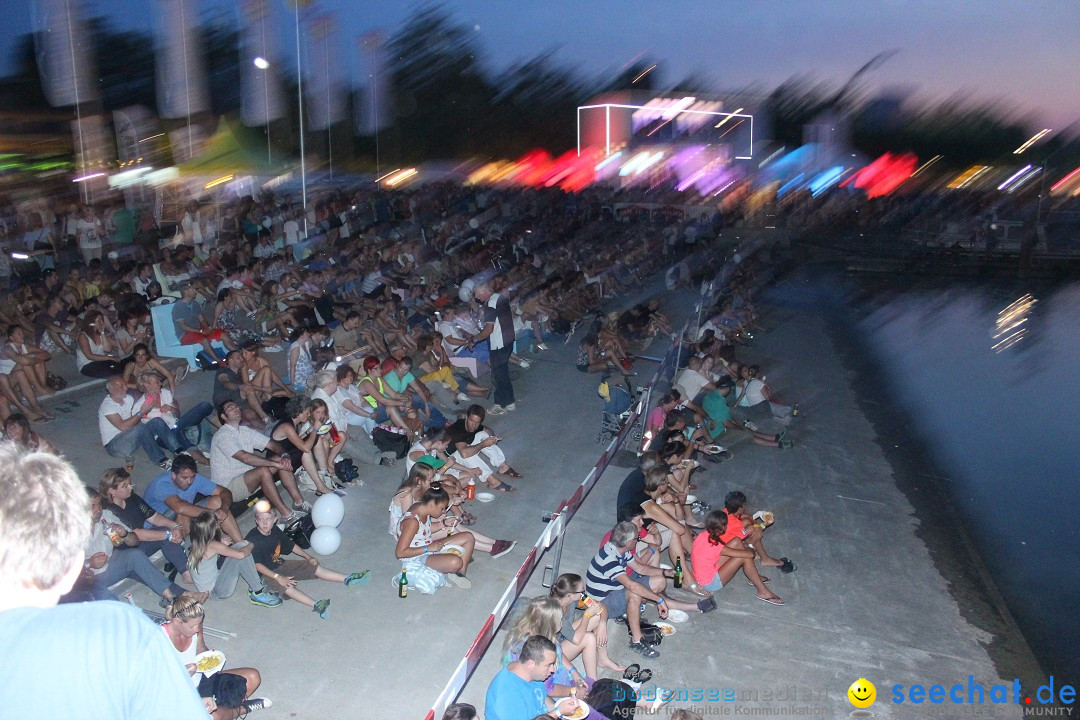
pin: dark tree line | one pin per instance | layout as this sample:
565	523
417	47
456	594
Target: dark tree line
448	104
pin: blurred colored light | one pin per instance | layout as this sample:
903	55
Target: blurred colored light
1065	179
1013	177
219	181
261	63
1031	141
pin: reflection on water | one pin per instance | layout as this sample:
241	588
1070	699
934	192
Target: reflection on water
1001	419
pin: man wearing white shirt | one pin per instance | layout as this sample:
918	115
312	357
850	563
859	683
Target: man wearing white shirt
235	466
498	330
122	428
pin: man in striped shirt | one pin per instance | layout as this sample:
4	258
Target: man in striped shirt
623	583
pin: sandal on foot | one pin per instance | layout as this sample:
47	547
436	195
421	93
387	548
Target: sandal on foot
631	671
503	487
774	600
643	677
512	473
764	580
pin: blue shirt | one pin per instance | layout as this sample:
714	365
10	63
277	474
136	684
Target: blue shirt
162	487
511	698
92	660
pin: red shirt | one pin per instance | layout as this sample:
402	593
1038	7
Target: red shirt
735	528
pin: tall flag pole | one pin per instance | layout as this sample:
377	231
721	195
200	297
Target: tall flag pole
66	66
262	100
181	83
323	80
297	7
375	110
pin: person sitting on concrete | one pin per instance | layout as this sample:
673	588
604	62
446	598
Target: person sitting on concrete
174	494
476	446
226	698
154	530
666	510
191	326
400	378
112	555
385	403
615	578
741	526
231	384
122	430
517	691
220	578
426	566
582	631
715	562
235	466
270	545
163	404
714	403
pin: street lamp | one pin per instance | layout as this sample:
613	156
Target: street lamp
261	63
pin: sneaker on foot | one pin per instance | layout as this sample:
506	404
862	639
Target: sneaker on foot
524	364
501	547
462	397
358	578
511	407
541	346
322	608
706	604
497	410
643	649
253	704
164	463
264	597
786	444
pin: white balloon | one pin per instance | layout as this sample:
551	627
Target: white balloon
328	511
465	292
325	540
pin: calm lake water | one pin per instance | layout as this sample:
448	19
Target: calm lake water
991	376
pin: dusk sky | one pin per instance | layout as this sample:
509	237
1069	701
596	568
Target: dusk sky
1022	53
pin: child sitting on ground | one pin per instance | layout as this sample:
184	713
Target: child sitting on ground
270	543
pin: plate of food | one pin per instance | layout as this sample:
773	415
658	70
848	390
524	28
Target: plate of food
764	518
485	497
580	712
453	550
666	628
209	662
677	616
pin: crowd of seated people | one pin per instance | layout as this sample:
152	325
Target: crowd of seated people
385	345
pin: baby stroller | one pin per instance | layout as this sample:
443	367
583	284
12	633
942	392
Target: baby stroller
617	403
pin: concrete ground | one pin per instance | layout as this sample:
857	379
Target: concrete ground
866	601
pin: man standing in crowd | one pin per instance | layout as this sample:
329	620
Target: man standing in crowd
84	660
498	330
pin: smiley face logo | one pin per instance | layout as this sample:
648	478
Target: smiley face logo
862	693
